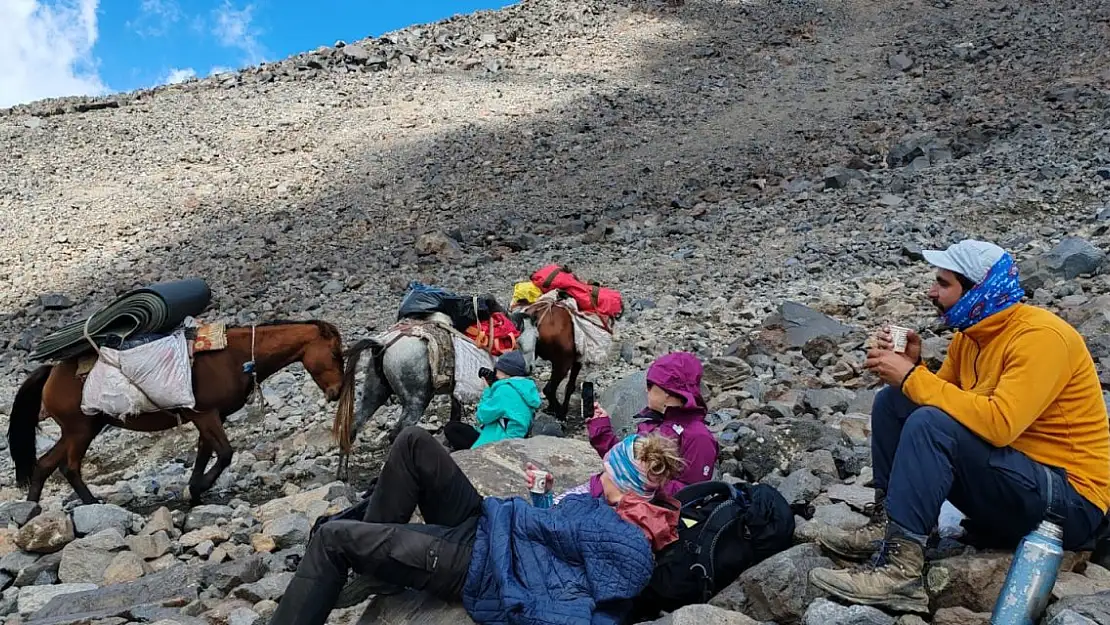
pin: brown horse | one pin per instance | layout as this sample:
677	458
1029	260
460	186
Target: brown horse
555	344
221	385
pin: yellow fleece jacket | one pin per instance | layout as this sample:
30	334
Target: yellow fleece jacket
1023	378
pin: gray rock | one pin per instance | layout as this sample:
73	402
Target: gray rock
271	587
204	516
17	561
778	588
87	559
834	399
797	324
1095	607
9	601
288	530
493	468
98	517
46	533
704	614
55	301
225	577
150	546
18	512
800	487
970	581
900	62
825	612
857	497
44	570
174	586
1071	617
1070	258
415	608
243	616
33	598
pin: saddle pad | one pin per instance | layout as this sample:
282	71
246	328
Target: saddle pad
211	337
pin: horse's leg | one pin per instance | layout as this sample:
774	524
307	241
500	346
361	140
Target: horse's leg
45	467
375	392
456	409
204	454
81	436
212	429
407	370
572	385
559	369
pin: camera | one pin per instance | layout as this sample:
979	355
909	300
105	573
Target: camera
488	375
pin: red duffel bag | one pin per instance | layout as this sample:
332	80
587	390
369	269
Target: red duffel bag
591	297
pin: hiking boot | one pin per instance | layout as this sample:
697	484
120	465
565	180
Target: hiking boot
893	578
858	544
361	587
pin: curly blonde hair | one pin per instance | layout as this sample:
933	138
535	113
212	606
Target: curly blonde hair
660	456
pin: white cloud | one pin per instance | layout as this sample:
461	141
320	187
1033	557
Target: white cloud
46	50
233	29
180	75
156	17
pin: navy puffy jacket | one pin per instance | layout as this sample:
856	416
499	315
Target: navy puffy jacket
575	563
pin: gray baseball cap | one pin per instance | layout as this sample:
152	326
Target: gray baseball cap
970	258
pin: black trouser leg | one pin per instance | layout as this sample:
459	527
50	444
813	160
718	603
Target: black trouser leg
421	472
423	557
460	435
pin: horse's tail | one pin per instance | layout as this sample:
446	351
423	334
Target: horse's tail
24	424
345	413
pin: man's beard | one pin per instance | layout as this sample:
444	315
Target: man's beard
940	307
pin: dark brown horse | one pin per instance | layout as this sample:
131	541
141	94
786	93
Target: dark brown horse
221	385
554	343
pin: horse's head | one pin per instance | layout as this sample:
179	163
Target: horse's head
323	359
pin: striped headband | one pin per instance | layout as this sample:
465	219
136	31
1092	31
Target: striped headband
626	472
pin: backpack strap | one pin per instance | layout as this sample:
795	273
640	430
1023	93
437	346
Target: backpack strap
551	277
721	520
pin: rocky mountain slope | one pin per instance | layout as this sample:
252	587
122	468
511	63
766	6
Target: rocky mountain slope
712	161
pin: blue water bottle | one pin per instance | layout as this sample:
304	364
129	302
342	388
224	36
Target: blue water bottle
1031	577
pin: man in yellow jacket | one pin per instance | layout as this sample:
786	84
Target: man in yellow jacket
1012	429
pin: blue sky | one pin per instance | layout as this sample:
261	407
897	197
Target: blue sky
54	48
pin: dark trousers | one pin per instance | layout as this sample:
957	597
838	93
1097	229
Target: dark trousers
433	557
460	435
922	456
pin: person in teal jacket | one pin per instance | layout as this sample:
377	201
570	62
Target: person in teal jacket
505	410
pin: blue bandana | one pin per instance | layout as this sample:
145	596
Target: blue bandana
997	292
626	472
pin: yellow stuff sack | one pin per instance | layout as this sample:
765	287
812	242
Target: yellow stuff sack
526	291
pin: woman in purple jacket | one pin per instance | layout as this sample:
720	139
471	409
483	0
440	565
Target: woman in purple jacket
675	409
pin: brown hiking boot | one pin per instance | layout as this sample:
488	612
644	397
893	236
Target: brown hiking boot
892	580
862	543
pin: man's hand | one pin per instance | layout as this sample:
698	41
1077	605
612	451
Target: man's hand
883	340
890	366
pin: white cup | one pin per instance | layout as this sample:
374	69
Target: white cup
899	336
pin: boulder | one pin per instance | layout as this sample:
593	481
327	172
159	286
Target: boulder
795	324
160	521
703	614
800	487
974	580
97	517
87	559
857	497
312	503
961	616
1094	607
288	530
17	561
46	533
1070	258
1070	584
196	537
1070	617
125	567
18	512
150	546
174	586
204	516
225	577
825	612
43	571
623	400
778	588
33	598
271	588
9	538
497	469
414	608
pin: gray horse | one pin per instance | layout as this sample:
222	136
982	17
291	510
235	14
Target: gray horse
402	370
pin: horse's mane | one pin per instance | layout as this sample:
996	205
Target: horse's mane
327	330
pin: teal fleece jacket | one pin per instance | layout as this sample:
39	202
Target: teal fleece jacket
506	410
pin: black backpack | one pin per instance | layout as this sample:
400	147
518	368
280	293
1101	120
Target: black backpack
723	529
